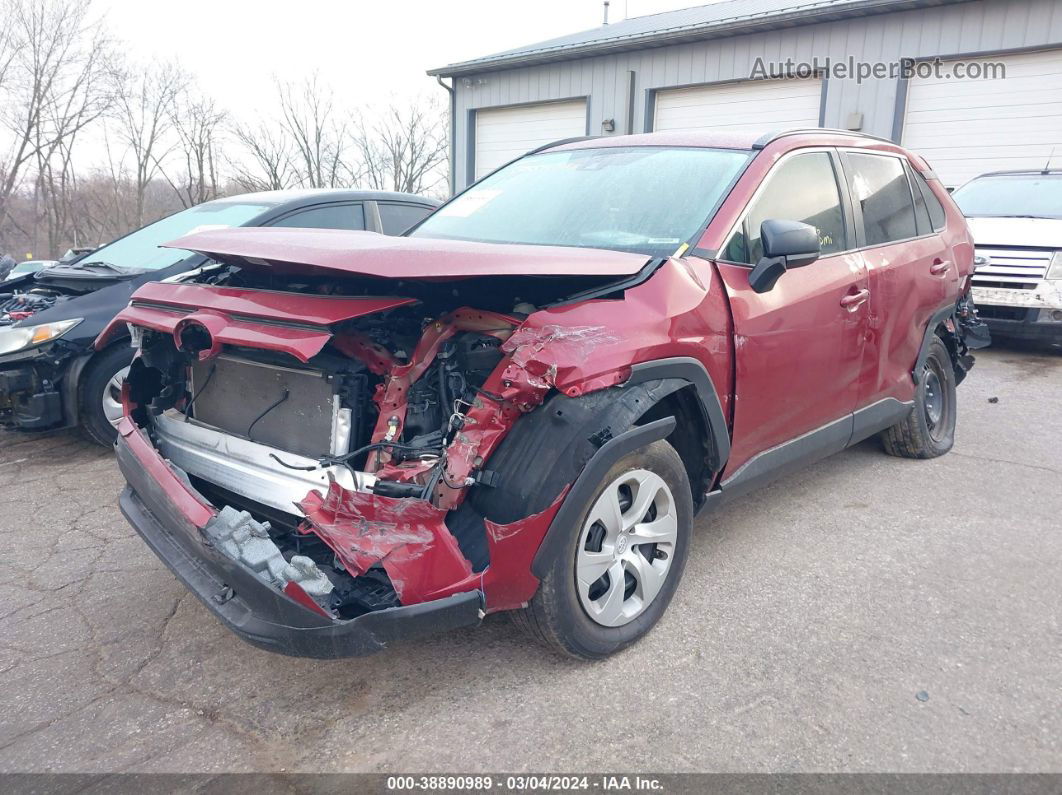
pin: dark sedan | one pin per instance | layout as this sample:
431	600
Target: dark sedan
50	377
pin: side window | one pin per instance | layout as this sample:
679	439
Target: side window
880	186
331	216
397	218
936	210
804	188
921	211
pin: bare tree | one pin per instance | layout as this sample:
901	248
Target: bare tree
266	160
9	43
55	186
145	98
198	123
53	86
405	149
305	145
319	133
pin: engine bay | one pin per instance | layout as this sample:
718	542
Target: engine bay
395	415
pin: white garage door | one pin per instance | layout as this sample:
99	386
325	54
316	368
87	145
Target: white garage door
751	104
505	133
969	126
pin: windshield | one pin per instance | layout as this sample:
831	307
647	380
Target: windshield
643	199
1012	196
140	250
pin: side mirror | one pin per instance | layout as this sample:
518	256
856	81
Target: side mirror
786	244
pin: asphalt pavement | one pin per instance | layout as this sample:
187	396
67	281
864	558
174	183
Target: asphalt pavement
866	614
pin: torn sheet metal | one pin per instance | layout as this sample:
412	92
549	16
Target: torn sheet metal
508	582
408	537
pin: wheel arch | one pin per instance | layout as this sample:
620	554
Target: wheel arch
938	327
93	356
82	370
571	442
933	328
702	430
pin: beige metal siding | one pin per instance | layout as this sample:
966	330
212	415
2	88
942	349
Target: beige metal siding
763	104
971	126
984	26
503	134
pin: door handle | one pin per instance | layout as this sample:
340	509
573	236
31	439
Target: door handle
852	302
939	267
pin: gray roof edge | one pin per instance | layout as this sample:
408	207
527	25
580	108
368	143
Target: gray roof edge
749	24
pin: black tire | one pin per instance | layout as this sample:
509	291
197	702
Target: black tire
556	617
95	380
929	430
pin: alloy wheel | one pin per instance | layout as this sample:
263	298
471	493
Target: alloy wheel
112	397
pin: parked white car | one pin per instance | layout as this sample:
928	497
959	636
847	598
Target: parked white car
1016	220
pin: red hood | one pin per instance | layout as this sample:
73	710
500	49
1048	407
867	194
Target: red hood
372	254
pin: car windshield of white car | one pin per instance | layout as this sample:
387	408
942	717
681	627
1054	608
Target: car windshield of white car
1011	196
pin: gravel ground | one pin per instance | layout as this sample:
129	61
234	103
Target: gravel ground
867	614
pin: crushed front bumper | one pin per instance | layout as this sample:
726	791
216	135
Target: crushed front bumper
1026	314
1034	325
169	517
28	402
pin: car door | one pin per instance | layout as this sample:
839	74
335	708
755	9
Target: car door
341	215
908	270
798	348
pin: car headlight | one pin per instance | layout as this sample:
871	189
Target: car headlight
18	338
1054	270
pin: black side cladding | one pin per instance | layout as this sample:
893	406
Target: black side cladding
550	447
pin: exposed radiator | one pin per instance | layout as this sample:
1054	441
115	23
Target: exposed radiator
289	409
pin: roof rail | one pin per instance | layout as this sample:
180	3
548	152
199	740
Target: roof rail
1015	171
770	137
561	142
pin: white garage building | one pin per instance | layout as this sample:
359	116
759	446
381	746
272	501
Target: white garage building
982	90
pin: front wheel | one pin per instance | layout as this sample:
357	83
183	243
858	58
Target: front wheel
101	394
623	560
929	430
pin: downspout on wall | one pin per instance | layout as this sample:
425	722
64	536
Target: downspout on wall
453	131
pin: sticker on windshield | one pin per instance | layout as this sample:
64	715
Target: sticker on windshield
464	206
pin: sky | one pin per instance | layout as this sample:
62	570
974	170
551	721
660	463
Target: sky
370	51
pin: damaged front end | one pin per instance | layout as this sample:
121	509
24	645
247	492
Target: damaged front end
301	451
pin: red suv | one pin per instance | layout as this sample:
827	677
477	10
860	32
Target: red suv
338	439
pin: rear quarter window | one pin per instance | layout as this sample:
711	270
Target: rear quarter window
925	225
936	209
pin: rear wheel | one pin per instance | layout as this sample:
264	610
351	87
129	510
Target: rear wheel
101	394
929	430
623	560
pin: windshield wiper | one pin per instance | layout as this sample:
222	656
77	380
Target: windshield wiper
101	265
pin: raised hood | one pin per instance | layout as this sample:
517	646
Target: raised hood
372	254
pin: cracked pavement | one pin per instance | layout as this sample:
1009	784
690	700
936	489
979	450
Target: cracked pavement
866	614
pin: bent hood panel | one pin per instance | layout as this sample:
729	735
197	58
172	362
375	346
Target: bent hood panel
372	254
